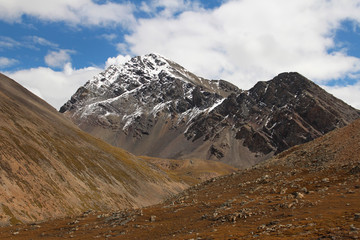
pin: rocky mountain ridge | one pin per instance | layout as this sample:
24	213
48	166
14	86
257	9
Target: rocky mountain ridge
273	116
49	168
153	106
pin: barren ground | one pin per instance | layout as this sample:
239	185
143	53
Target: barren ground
274	203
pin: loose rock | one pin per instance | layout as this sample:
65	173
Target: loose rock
152	218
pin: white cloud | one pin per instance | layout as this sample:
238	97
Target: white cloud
145	7
251	40
242	41
34	91
30	42
41	41
81	12
7	62
118	60
122	48
56	87
109	37
167	8
349	94
7	42
58	58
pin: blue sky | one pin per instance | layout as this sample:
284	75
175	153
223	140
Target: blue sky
54	49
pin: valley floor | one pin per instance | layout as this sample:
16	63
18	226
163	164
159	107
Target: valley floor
276	202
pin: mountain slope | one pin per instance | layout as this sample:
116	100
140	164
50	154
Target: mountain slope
191	171
50	168
145	105
152	106
269	118
310	191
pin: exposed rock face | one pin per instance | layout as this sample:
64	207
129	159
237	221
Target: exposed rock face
50	168
274	115
153	106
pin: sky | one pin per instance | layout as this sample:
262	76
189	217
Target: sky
54	47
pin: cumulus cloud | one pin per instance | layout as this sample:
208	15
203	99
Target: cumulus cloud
348	93
118	60
58	58
243	41
84	12
7	62
56	87
251	40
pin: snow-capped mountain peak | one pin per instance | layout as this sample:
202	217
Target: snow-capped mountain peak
140	70
145	85
153	106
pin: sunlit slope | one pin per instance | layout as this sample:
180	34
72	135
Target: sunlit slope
50	168
311	191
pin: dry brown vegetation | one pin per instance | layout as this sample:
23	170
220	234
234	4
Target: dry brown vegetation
49	168
311	191
191	171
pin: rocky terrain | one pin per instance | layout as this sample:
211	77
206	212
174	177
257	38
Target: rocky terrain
152	106
49	168
310	191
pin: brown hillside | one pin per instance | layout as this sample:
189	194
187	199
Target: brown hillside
191	171
49	168
311	191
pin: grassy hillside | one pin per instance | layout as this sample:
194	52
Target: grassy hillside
49	168
311	191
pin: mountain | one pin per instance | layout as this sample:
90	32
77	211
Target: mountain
269	118
49	168
310	191
153	106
